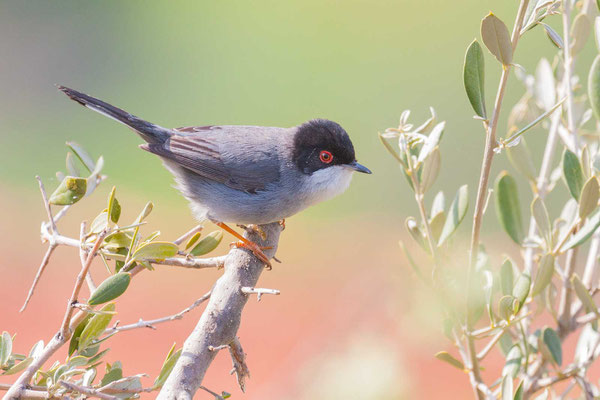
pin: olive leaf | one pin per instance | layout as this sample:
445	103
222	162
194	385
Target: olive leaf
506	277
430	169
588	200
207	244
594	87
508	206
70	191
96	326
110	289
542	220
167	367
520	158
456	213
586	231
552	342
474	78
572	173
497	39
450	359
544	274
155	251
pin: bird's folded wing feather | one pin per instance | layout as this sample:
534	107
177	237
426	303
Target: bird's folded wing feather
242	158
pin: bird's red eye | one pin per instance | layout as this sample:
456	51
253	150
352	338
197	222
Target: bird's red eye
326	157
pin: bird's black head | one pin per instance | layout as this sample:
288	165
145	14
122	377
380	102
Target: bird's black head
320	144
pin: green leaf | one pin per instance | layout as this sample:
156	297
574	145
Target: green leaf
583	294
521	289
437	224
155	251
586	231
70	191
508	206
5	348
507	388
594	87
430	169
167	367
506	277
110	289
19	366
552	341
588	201
513	362
520	158
192	241
432	142
544	274
456	213
448	358
497	39
71	166
99	223
554	36
542	220
519	392
74	343
473	78
579	32
505	307
145	212
96	326
83	156
572	173
207	244
114	372
114	208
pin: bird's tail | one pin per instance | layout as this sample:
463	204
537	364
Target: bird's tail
149	132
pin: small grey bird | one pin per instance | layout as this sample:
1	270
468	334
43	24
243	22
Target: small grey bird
246	174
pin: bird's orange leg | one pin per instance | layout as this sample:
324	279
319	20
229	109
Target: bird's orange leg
243	242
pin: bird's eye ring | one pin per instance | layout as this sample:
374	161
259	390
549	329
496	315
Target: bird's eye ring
326	157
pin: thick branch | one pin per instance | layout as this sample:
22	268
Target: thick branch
220	321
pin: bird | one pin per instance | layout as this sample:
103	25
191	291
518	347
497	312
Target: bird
246	175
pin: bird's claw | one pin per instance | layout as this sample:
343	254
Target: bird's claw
256	250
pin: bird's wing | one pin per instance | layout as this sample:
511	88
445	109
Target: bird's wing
242	157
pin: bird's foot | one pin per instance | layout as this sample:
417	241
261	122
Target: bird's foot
256	250
253	228
282	223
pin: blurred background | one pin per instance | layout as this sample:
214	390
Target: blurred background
352	320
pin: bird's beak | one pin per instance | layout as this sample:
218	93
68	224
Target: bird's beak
359	168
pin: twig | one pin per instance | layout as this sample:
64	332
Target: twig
38	275
79	282
217	395
260	291
82	257
87	391
490	345
150	324
34	392
47	205
564	310
193	262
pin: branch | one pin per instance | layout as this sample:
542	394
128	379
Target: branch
238	357
259	291
187	235
150	324
87	391
64	331
221	319
490	144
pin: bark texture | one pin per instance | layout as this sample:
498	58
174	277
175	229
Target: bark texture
221	319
